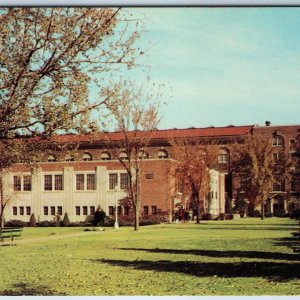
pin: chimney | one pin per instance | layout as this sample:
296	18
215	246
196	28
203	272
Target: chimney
268	123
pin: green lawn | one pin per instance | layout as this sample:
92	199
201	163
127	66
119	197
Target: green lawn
238	257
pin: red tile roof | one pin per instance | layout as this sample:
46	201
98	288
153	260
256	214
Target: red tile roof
162	134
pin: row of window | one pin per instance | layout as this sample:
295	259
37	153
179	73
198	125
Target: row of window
279	185
84	182
79	210
107	156
124	210
223	156
21	210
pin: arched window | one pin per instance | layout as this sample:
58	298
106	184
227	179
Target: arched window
51	158
87	157
105	156
143	154
123	155
223	156
69	157
162	154
277	141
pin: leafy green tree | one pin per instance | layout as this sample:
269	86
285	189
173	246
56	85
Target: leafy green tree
50	61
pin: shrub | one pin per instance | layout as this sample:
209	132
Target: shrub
15	223
295	214
46	224
207	217
75	224
128	220
154	219
57	220
66	220
256	213
32	220
89	219
222	216
109	222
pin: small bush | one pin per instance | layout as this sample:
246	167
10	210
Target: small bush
154	219
257	213
57	220
222	216
32	220
76	224
89	219
66	220
15	223
295	214
109	222
128	220
46	224
207	217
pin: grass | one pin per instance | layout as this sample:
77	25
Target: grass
237	257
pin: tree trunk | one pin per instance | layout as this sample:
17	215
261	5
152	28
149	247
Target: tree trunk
136	218
1	219
262	210
1	204
198	214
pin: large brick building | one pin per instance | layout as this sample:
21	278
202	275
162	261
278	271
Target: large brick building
77	182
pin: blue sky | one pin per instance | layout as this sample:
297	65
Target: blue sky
223	66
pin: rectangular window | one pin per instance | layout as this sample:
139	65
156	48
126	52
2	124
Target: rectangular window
17	183
126	210
48	182
154	210
15	210
84	210
28	210
111	210
52	210
45	210
59	210
79	182
113	181
279	186
295	184
58	182
275	157
90	182
124	181
27	183
92	210
223	158
146	212
149	176
77	210
21	210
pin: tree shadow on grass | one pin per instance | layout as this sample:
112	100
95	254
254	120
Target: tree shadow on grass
24	289
291	242
228	253
240	227
278	272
